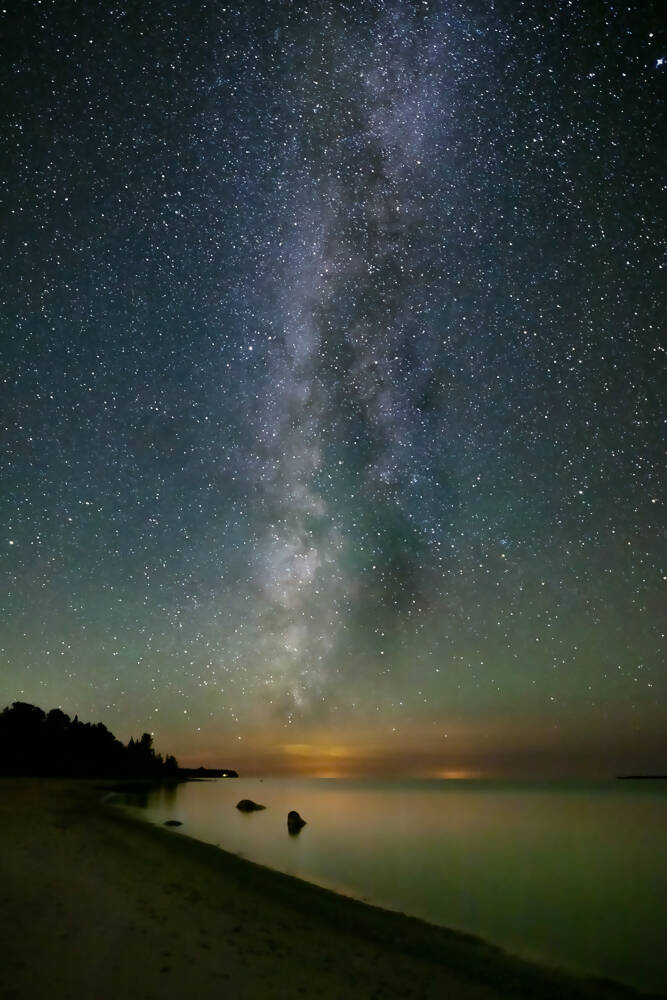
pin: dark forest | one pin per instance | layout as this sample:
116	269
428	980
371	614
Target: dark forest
51	744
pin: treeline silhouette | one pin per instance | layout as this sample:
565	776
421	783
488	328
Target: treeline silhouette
50	744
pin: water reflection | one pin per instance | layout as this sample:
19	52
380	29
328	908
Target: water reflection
141	794
573	875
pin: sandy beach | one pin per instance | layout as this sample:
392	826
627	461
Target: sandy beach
95	904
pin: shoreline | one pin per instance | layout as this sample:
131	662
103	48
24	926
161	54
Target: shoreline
95	902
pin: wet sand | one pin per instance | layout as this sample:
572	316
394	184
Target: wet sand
96	904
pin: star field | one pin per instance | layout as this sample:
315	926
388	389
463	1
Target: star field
333	380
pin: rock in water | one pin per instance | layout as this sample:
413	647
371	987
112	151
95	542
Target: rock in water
248	806
173	822
294	821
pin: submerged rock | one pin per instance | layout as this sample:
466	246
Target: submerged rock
173	822
294	821
248	806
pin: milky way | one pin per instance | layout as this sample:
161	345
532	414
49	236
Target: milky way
332	375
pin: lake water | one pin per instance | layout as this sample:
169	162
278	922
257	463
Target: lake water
572	875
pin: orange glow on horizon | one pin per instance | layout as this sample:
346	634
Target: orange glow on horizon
336	760
451	774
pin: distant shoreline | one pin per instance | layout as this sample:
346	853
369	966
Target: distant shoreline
641	777
117	907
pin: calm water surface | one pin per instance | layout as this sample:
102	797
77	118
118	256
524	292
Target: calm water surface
574	875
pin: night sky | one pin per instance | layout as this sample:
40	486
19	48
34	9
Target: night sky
333	381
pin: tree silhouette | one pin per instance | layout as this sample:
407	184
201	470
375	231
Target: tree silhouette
51	744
